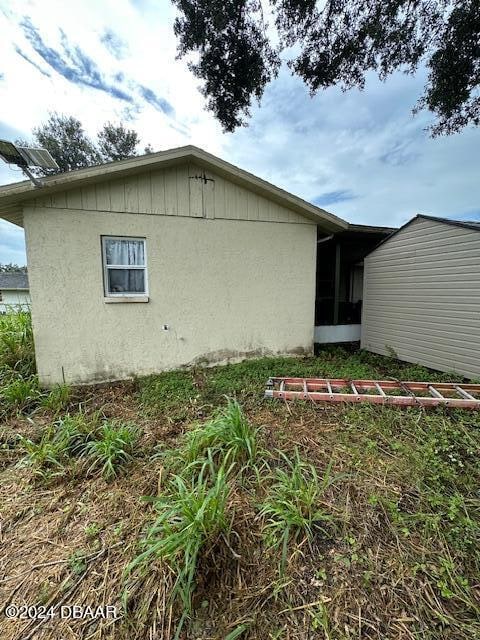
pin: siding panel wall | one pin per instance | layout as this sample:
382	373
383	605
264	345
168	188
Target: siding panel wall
183	190
422	297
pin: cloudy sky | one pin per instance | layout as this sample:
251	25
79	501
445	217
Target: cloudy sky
361	155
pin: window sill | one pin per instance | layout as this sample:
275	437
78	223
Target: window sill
117	299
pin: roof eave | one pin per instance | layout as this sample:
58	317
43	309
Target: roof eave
13	196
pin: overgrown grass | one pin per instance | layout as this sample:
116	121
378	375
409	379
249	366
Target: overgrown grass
19	388
112	447
372	514
180	395
229	437
107	445
17	354
190	518
172	393
292	506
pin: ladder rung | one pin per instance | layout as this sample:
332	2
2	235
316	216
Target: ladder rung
463	393
380	390
341	390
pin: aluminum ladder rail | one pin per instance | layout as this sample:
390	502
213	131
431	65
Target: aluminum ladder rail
391	392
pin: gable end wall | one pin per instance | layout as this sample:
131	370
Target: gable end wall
184	190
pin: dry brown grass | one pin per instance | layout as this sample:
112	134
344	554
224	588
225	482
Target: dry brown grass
70	539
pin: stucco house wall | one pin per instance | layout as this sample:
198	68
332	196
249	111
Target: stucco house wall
231	274
421	296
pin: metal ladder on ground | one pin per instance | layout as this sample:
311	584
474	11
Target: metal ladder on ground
392	392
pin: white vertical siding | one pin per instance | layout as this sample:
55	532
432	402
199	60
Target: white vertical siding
421	297
13	300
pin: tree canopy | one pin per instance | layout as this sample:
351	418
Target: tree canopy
65	138
335	42
12	268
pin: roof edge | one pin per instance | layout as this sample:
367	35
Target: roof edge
11	196
454	223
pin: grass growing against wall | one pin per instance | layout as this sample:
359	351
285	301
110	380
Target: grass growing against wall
201	510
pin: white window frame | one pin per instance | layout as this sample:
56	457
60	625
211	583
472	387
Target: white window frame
122	294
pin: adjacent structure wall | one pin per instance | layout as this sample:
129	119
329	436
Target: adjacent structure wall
225	288
422	297
14	299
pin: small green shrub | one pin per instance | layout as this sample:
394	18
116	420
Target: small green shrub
113	447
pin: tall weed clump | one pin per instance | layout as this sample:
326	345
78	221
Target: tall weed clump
191	514
228	437
19	389
190	518
112	447
106	445
291	508
17	353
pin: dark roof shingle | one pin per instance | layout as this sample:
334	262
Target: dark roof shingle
13	281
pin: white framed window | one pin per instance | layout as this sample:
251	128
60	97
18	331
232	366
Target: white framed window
124	266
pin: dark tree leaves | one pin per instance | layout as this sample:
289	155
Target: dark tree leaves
452	90
235	58
115	142
64	137
337	44
12	268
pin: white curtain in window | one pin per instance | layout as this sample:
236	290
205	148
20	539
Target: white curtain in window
125	252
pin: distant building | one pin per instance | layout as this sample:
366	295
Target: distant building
14	292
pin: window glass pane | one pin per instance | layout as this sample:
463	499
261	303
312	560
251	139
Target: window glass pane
125	252
126	280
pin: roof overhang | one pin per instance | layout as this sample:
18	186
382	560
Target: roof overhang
14	196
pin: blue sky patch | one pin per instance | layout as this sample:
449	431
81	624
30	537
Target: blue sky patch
156	101
30	61
73	64
331	197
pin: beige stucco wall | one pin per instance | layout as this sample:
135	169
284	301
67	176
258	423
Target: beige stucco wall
225	288
421	297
